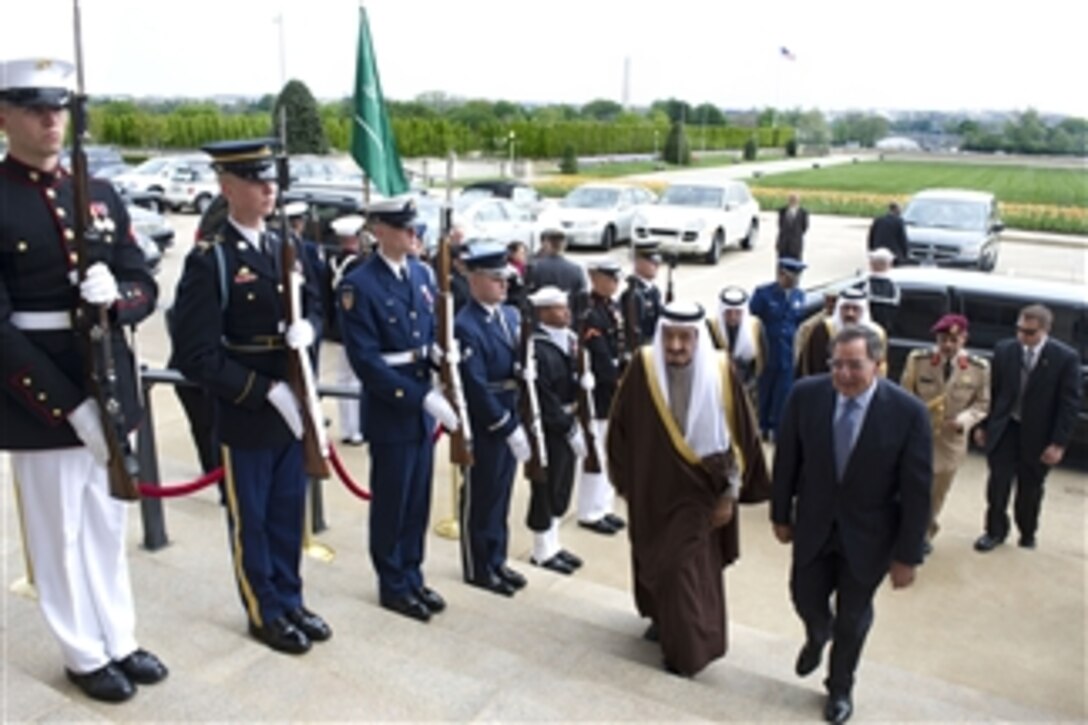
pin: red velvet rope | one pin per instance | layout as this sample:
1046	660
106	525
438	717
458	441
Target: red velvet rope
152	490
344	476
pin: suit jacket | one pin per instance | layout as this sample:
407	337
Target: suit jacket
791	232
882	505
1051	399
890	232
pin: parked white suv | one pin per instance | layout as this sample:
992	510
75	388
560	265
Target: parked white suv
155	173
192	185
700	219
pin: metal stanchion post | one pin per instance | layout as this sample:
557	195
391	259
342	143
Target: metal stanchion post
317	506
448	528
24	585
312	547
151	512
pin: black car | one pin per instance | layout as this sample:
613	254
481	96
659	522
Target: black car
992	306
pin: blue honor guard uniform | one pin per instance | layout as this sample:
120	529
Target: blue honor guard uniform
387	321
779	309
230	335
488	335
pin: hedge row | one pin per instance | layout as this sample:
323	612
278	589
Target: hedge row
418	137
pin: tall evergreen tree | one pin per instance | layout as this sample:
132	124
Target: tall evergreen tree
305	134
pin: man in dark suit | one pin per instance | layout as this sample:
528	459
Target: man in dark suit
852	474
792	225
888	231
1035	395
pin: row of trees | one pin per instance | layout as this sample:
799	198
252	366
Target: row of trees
435	123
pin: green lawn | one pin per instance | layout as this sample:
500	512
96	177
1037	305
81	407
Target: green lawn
1020	184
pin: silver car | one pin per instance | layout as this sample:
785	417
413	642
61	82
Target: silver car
597	215
953	228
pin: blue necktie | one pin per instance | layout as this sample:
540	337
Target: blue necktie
843	431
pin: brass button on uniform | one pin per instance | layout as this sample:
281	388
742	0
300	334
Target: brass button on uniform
26	382
41	397
69	234
399	393
251	296
51	193
57	412
60	212
22	246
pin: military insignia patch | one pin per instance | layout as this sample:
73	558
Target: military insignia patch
244	275
347	298
426	295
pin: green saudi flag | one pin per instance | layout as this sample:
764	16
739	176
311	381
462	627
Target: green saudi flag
372	144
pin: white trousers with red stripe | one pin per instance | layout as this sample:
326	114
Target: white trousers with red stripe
75	533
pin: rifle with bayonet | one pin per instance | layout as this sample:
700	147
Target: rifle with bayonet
536	468
670	259
300	372
587	407
93	321
449	374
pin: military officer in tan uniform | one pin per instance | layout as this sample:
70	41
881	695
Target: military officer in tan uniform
955	387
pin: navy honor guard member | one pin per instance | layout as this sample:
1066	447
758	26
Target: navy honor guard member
348	255
778	306
603	336
75	531
231	335
557	383
955	387
642	313
488	333
387	319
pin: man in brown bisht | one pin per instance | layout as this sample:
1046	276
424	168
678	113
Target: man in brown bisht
683	449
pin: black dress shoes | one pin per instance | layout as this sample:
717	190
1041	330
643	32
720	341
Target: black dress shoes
557	564
574	561
281	635
600	526
838	709
986	543
1026	542
108	683
615	521
511	577
143	668
493	583
312	625
410	606
431	599
808	659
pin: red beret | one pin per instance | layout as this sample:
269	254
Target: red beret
956	324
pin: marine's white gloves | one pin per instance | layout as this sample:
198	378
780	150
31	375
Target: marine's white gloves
577	441
588	382
284	401
436	404
300	335
99	286
519	445
86	421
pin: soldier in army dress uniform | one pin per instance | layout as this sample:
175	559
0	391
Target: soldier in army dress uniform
230	335
955	386
640	315
52	424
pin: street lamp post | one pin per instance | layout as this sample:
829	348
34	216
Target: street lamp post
655	144
512	138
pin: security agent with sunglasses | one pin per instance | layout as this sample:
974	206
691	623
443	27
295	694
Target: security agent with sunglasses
75	531
231	335
387	320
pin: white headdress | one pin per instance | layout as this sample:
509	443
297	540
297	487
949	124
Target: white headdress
734	298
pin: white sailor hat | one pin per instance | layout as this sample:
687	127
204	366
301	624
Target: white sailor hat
606	266
397	211
682	312
882	254
733	297
550	296
347	226
295	209
36	82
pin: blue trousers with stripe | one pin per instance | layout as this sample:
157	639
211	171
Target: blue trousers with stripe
485	506
266	505
400	507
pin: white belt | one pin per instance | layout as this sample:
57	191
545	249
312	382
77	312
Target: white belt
56	320
570	409
404	358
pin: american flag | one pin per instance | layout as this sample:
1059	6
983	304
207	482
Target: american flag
787	53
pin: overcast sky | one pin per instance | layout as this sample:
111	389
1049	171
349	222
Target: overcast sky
922	55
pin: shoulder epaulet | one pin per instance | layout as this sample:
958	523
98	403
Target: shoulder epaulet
978	361
921	352
204	244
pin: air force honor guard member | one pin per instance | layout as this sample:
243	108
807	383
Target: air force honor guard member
388	325
75	531
230	335
955	387
488	332
778	306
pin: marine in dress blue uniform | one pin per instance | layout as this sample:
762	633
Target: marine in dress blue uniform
51	425
778	305
230	335
488	332
387	320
